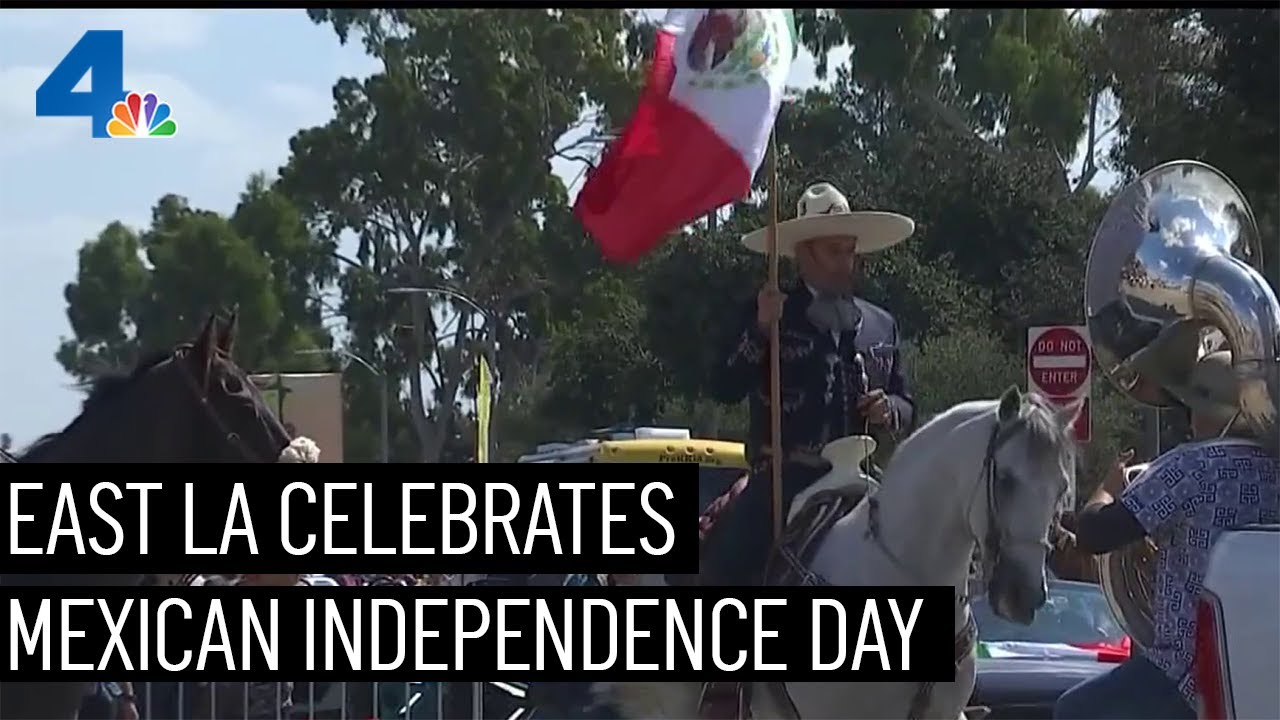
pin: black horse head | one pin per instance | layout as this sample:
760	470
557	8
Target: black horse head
190	405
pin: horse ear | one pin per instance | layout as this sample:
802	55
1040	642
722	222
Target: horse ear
205	346
227	336
1010	404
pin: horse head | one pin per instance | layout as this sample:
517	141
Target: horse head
1027	475
190	405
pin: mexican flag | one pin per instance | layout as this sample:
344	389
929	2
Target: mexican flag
700	131
1014	649
1101	651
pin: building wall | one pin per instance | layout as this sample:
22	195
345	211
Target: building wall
312	407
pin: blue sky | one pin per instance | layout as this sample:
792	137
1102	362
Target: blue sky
239	83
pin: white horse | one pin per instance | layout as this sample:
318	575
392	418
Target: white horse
986	474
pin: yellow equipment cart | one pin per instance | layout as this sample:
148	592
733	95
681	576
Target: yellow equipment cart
721	462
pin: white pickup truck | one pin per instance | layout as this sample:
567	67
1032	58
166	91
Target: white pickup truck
1238	627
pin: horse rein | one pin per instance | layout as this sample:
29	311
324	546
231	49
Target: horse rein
989	543
231	437
996	539
987	478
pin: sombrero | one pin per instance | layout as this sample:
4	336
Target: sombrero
823	211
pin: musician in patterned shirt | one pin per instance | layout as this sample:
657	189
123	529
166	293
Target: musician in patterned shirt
1183	501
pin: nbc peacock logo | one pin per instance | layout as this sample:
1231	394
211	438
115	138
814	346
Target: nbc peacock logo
141	116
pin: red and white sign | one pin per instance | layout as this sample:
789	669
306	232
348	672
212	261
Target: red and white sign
1059	366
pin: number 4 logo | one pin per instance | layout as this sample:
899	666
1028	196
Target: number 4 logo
100	51
113	112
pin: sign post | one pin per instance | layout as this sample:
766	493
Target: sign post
1060	367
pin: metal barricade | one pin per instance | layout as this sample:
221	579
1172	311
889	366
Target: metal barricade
321	701
336	700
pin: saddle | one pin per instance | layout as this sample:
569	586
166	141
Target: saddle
846	456
788	566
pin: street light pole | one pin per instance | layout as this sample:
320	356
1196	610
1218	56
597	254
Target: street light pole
384	428
384	400
489	320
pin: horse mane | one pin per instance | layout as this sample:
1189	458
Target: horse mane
1045	434
102	387
1036	421
108	384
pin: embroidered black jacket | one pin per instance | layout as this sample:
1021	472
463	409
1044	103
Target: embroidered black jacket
821	379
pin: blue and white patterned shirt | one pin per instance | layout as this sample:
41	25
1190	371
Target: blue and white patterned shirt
1185	500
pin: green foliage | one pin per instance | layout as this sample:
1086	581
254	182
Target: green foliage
707	418
1021	70
140	292
440	164
603	368
966	364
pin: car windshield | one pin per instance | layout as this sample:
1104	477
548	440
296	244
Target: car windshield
1075	613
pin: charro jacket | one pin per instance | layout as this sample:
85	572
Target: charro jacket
822	377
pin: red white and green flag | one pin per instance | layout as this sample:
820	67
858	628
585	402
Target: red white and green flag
1117	651
700	131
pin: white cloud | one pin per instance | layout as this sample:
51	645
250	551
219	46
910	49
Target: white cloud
40	259
144	30
308	104
52	239
23	135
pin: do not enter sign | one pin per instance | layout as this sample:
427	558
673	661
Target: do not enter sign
1059	361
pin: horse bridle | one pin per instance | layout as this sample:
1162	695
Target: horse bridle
232	438
996	538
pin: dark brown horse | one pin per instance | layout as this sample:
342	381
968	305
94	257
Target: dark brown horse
190	405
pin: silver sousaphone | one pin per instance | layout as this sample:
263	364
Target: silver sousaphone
1173	274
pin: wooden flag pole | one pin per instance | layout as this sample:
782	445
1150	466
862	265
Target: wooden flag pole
775	346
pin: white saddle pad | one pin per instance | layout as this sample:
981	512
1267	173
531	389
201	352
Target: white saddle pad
846	456
849	452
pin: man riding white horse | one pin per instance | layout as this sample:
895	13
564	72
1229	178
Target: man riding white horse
840	371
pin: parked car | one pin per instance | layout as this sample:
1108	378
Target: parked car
1237	656
1075	620
1025	688
1021	670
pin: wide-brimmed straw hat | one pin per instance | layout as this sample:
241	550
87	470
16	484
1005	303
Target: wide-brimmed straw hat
823	211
